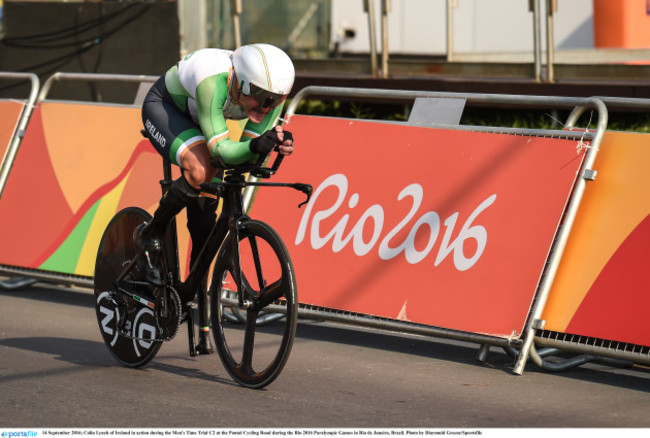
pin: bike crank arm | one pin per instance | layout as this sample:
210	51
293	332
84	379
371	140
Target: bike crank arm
146	301
125	271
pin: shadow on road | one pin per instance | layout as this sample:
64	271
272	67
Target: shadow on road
55	294
76	351
634	377
95	354
190	373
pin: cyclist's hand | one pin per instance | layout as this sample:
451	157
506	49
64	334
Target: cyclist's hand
285	147
264	143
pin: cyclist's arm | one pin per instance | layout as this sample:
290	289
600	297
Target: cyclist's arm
254	130
211	95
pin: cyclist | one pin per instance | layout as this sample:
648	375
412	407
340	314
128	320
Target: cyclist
185	115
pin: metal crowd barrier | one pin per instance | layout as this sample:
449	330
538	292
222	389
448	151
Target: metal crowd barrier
14	144
22	123
61	76
524	346
534	321
21	276
589	348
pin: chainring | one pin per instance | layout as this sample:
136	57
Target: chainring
169	318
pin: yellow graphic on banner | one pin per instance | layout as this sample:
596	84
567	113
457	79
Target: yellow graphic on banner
94	162
107	208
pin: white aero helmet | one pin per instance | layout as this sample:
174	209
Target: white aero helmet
264	72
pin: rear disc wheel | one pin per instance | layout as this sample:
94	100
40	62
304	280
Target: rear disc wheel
128	328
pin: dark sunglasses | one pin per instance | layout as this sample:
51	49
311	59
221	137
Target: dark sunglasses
266	98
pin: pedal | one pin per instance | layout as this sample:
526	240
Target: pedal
121	311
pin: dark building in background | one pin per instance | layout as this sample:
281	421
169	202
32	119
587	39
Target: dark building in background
125	37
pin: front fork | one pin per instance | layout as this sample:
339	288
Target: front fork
236	262
236	221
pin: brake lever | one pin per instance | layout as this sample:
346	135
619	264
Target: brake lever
307	189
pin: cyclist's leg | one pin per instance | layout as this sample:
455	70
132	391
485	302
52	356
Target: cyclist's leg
201	216
176	136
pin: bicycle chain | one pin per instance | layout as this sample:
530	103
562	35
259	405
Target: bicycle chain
159	327
135	338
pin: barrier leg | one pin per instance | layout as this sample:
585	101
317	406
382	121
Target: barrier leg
16	283
481	356
522	357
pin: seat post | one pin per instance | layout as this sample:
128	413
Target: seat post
167	175
171	237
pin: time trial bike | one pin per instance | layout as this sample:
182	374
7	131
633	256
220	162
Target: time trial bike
252	279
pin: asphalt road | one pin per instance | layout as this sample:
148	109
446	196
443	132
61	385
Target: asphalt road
56	372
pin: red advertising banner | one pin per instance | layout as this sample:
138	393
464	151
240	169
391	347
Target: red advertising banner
601	288
84	174
10	114
71	175
439	227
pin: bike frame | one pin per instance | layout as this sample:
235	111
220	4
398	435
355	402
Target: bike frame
228	222
231	213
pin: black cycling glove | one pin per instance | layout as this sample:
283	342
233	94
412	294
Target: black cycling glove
265	142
